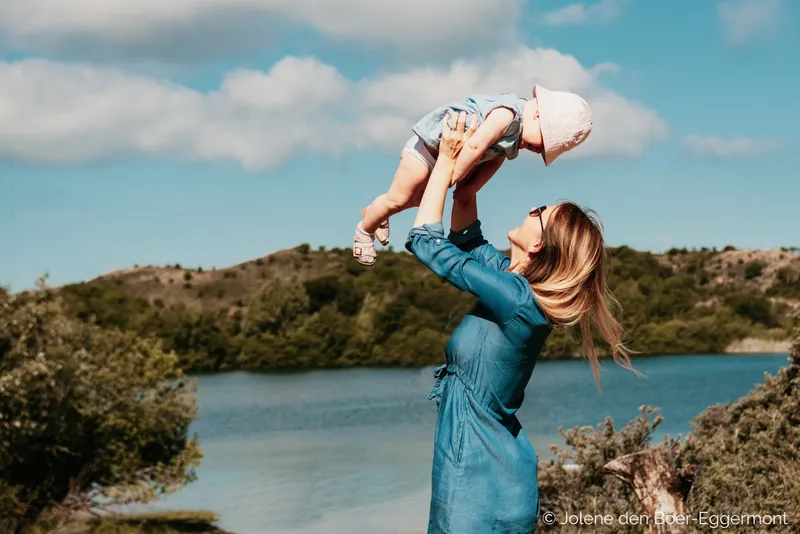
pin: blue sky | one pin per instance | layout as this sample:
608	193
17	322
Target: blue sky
210	133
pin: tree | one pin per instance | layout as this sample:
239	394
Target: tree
757	309
684	305
322	336
87	415
277	304
786	284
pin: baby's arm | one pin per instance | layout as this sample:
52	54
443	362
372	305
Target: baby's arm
485	136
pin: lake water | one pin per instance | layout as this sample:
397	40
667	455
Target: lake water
350	451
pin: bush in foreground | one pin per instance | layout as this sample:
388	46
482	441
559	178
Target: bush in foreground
150	523
88	416
749	451
744	458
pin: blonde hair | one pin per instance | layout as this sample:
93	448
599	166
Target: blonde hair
568	277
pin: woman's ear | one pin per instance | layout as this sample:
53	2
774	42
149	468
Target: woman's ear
534	249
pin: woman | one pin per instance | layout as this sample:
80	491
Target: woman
484	478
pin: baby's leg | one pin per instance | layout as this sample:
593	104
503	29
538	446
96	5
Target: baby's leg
410	175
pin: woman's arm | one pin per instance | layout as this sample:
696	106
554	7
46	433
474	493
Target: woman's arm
465	212
471	241
465	208
465	228
431	207
492	129
502	293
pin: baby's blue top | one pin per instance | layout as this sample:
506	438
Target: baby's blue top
429	127
484	476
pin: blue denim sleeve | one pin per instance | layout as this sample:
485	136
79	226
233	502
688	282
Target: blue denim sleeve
471	240
502	293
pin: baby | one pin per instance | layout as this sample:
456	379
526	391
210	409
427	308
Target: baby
550	124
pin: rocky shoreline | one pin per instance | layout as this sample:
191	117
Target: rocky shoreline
758	346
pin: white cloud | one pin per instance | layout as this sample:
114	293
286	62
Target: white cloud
170	28
55	113
600	12
736	147
621	127
745	20
59	113
309	83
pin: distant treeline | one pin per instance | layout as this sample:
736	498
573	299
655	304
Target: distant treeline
340	314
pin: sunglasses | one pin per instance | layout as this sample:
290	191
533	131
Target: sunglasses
537	212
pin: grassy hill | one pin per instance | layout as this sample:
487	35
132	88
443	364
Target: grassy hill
301	308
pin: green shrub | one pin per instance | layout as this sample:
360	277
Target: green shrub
754	269
739	458
61	442
748	450
587	489
786	284
321	292
755	308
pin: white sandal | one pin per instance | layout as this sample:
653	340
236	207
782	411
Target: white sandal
364	247
382	232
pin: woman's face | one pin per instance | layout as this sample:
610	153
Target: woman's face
528	235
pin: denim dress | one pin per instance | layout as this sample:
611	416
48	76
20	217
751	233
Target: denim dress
429	127
484	477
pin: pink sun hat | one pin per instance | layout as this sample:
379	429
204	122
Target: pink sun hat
565	120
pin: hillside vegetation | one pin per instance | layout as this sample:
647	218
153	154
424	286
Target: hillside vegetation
301	308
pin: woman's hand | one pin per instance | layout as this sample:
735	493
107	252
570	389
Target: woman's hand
453	135
431	206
